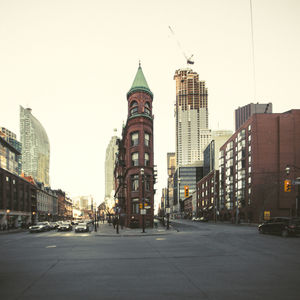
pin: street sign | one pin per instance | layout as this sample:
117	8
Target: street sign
143	211
168	210
267	215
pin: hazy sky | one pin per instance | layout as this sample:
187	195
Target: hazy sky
73	61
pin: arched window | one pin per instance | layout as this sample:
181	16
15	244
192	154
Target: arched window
147	109
135	159
133	108
133	103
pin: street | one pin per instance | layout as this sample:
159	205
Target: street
195	261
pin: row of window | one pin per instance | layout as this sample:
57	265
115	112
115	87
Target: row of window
134	108
135	138
135	159
135	182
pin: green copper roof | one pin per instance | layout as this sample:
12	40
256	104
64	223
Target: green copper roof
139	83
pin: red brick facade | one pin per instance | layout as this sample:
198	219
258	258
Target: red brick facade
133	190
252	167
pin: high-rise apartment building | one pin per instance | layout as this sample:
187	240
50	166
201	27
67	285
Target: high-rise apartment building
35	147
242	114
110	160
211	151
191	113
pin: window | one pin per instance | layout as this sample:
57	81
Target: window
133	103
147	183
147	108
135	159
147	159
134	182
147	139
134	138
133	108
134	111
135	206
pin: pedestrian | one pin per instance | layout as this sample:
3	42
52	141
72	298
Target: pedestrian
114	222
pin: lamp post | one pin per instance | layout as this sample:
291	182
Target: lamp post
296	182
33	218
7	218
168	210
95	221
143	199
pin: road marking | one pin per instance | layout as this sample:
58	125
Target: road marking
52	246
160	239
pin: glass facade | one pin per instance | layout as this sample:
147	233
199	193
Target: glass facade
35	147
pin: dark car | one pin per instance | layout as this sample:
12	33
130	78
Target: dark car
64	227
281	225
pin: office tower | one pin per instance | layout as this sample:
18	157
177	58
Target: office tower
110	160
191	113
35	147
134	171
242	114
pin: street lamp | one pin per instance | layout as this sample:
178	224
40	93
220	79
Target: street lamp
143	199
33	218
296	182
95	221
7	217
168	210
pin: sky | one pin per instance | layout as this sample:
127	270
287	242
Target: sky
73	61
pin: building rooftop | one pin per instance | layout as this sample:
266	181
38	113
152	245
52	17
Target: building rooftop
139	83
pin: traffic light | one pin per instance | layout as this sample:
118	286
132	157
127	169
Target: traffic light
287	185
186	191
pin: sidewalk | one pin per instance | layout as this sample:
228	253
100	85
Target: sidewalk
13	231
109	230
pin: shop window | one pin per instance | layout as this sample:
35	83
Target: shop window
135	206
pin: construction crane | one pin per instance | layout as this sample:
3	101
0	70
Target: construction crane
189	60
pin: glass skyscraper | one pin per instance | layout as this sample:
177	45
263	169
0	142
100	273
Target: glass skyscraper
35	147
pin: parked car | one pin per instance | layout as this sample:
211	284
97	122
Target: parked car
53	225
82	227
64	227
201	219
281	225
40	227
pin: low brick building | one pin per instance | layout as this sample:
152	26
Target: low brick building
18	204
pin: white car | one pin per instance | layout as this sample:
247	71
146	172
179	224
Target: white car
40	227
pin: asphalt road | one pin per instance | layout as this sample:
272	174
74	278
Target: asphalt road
201	261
